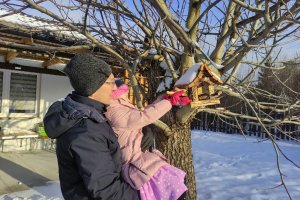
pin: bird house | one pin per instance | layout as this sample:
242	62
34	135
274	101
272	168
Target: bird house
200	81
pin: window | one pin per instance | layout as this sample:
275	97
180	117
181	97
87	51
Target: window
22	95
19	93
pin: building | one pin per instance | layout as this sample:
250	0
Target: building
32	53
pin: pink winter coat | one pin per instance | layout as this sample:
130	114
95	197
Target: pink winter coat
127	121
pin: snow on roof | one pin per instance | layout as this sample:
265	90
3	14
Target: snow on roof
189	75
216	76
18	19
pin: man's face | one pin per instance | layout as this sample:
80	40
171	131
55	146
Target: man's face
103	94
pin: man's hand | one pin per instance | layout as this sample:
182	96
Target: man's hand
148	138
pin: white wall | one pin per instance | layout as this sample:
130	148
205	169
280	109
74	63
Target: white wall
52	88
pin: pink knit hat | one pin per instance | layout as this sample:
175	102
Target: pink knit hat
122	89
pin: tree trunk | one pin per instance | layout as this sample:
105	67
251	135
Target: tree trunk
178	149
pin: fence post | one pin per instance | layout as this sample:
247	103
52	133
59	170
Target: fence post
205	124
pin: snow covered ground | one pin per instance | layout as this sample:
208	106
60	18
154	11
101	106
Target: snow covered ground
232	167
228	167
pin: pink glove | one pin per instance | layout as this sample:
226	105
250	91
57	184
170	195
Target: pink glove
176	99
184	101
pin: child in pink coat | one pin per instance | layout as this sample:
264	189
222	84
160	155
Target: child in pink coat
148	172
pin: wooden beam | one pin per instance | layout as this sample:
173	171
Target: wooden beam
10	55
16	67
203	103
27	41
52	61
195	94
80	51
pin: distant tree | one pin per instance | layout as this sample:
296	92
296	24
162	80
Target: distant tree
281	81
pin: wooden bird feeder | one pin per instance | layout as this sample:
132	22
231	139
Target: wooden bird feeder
201	85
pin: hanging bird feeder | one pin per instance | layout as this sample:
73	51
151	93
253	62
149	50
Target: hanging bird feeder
200	81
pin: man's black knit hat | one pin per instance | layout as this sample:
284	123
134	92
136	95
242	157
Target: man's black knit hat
87	73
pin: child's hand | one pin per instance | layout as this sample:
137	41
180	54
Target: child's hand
176	98
184	101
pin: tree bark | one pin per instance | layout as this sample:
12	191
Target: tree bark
177	148
177	145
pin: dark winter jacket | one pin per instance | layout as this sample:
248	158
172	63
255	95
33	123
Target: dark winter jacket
87	150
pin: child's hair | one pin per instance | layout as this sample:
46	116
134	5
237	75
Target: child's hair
119	82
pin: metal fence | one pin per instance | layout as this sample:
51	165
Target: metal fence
211	122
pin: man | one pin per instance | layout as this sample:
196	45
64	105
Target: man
88	153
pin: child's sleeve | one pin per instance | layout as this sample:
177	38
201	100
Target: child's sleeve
133	118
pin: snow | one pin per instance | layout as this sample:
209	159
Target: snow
24	20
189	75
218	66
164	64
234	167
227	167
165	84
153	51
50	191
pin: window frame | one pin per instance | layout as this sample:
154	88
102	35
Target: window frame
4	112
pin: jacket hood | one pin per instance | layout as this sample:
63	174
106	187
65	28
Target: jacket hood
63	115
